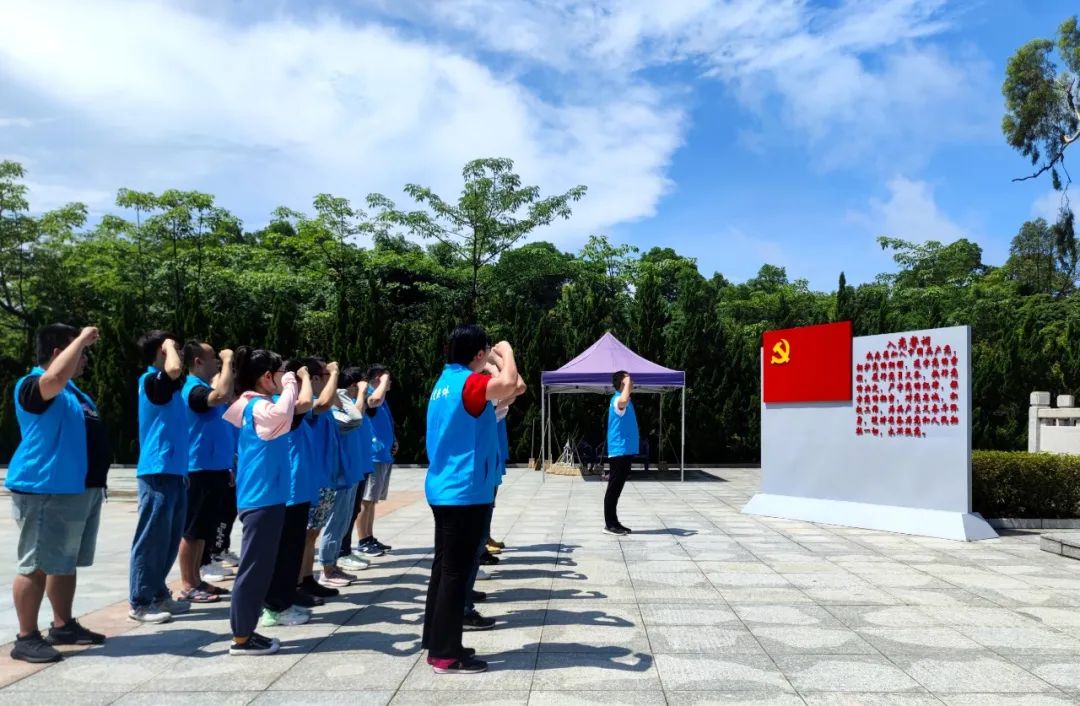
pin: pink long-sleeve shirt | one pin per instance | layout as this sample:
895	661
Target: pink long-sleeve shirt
272	419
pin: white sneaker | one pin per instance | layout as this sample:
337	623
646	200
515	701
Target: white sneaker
354	562
288	617
217	573
151	614
174	607
482	575
228	559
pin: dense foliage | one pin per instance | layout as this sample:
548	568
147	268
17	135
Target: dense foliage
1018	484
348	284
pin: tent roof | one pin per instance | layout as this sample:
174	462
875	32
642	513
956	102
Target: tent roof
592	370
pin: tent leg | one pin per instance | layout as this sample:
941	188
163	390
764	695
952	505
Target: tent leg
543	433
660	436
682	447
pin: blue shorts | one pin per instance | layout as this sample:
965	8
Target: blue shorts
57	533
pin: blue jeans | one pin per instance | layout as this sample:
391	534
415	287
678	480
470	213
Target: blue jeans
337	525
162	511
469	605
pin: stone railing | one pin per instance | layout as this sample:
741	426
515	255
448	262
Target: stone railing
1053	429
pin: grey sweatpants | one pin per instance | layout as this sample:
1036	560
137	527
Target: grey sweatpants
258	556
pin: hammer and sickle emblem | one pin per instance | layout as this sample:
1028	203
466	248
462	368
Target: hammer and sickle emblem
781	352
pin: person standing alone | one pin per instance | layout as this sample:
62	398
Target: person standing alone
622	446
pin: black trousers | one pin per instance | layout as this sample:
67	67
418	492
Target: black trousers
457	534
281	593
223	531
258	556
619	471
346	539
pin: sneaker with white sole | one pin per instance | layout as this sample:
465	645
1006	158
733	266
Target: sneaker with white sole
288	617
353	562
482	575
150	614
217	572
335	579
255	646
174	607
228	559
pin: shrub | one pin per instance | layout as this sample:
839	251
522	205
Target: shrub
1018	484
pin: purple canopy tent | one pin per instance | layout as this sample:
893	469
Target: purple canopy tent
591	372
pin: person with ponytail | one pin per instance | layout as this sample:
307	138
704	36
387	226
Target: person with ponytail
264	414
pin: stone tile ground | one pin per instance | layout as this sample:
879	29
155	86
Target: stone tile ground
700	605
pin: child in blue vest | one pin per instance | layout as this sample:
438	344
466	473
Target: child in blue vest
56	478
264	414
622	446
282	603
354	443
384	448
207	392
324	463
461	445
162	480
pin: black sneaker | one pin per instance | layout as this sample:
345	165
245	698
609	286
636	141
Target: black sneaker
256	646
474	621
313	588
488	559
74	634
626	529
467	653
617	531
35	650
380	545
306	600
370	549
468	665
478	596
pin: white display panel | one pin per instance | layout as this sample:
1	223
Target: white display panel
897	457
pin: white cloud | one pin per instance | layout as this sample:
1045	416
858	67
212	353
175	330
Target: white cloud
1049	204
279	110
46	197
909	213
857	80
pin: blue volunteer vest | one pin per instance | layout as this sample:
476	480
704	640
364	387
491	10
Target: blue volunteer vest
622	431
262	467
163	433
303	461
355	454
461	448
211	440
382	433
51	457
327	447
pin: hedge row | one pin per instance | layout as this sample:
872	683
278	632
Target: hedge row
1017	484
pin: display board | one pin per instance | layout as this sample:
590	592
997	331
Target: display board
896	456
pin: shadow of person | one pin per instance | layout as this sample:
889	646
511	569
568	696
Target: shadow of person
139	643
561	655
531	617
537	595
668	531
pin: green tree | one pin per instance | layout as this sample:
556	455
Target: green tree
493	214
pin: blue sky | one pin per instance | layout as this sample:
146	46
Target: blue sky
738	132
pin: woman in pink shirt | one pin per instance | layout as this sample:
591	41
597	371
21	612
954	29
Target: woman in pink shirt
262	485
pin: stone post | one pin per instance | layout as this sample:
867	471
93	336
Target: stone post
1039	400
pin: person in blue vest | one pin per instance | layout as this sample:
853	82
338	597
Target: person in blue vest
56	478
162	480
459	486
354	446
358	392
281	606
384	448
207	392
473	619
264	413
622	446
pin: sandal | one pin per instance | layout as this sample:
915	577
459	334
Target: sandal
213	590
197	595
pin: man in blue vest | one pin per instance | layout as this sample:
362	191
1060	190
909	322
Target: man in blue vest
622	446
162	479
56	479
462	449
207	392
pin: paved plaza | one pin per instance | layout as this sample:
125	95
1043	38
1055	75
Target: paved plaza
700	605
